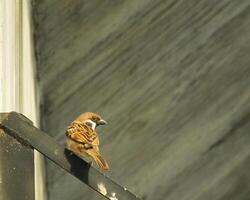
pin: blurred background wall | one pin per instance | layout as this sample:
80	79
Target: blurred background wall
171	77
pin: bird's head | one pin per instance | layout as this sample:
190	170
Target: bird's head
91	119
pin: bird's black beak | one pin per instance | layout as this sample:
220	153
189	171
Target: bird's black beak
102	122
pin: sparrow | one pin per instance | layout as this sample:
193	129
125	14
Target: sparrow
82	138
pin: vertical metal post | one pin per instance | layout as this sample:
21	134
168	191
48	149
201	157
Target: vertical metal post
16	169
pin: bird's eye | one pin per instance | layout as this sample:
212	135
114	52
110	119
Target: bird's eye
95	119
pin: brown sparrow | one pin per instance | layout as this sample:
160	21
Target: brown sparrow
82	138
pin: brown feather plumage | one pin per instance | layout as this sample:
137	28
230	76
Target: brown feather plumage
82	133
84	141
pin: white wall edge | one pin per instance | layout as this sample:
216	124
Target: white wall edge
17	72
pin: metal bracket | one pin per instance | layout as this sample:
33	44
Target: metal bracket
21	128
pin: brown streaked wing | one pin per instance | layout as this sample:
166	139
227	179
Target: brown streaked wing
82	133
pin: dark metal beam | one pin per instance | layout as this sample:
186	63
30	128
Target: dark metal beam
22	129
16	168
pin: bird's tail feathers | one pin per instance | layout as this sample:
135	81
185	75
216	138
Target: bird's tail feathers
101	162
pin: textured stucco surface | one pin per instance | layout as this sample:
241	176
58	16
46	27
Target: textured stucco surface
172	78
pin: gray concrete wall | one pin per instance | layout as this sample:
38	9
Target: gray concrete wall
172	78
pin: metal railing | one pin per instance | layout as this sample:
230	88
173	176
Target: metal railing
21	129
